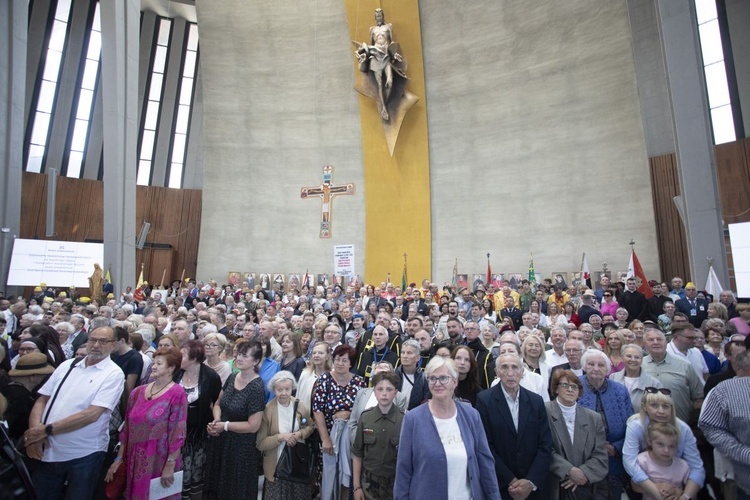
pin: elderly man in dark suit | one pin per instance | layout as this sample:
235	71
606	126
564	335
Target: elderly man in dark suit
515	421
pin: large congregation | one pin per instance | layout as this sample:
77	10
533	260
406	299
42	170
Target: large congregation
375	392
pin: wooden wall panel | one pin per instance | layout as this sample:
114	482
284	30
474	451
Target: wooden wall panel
670	233
733	171
733	176
174	215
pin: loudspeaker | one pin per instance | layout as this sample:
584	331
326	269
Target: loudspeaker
51	200
142	237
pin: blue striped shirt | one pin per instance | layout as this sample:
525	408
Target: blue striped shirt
725	421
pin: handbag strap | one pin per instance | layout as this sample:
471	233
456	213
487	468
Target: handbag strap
54	396
294	413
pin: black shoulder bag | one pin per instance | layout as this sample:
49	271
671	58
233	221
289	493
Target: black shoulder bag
295	463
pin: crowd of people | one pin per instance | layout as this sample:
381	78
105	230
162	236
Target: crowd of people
370	392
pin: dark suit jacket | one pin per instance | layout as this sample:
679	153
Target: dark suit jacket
515	314
701	310
81	339
420	392
522	454
635	303
586	452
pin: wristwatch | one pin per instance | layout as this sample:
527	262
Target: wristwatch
48	430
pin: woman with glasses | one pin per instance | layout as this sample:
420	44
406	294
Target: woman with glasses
611	401
579	458
233	461
214	344
202	386
609	304
333	398
657	406
443	450
634	377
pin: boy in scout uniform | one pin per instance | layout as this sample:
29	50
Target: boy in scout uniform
375	446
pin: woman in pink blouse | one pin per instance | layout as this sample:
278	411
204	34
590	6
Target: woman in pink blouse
155	428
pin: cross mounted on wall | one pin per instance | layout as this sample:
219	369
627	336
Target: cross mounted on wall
326	191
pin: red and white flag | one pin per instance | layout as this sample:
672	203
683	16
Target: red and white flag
585	273
636	270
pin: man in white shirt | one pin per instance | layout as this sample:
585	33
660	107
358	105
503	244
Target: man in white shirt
69	424
556	355
681	346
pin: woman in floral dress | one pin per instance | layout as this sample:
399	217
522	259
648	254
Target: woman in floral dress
333	398
154	428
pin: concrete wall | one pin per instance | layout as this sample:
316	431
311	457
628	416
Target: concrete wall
536	138
278	106
651	76
738	15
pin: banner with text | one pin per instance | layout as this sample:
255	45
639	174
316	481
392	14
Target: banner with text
55	263
343	260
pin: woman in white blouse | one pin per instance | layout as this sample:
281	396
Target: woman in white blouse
320	362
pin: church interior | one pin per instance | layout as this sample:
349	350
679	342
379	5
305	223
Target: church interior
247	136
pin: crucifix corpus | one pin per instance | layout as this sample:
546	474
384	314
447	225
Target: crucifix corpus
326	191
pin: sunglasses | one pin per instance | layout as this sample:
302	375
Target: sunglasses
654	390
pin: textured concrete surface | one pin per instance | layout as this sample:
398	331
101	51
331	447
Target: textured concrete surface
536	138
278	106
651	75
738	14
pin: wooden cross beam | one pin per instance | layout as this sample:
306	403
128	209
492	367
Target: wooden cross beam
327	191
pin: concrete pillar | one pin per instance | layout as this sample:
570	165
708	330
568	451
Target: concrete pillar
120	20
14	15
693	139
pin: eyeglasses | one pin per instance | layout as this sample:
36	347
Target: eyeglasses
213	346
654	390
101	341
443	379
568	386
607	294
573	350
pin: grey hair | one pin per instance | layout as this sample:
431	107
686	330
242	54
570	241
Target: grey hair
98	322
562	328
589	353
281	376
438	362
70	328
413	344
542	356
147	332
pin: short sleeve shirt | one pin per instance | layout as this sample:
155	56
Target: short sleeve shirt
97	385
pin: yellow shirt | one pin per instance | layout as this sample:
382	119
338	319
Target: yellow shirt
499	300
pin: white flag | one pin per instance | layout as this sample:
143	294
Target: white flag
713	285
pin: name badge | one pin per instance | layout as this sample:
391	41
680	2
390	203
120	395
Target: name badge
693	312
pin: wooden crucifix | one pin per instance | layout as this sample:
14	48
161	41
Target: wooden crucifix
326	191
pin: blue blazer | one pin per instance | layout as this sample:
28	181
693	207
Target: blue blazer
522	454
617	412
421	464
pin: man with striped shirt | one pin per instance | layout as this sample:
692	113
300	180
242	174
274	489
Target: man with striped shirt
725	421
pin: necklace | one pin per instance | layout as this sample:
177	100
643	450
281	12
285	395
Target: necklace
152	394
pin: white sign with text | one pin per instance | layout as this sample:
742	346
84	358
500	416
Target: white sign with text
55	263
